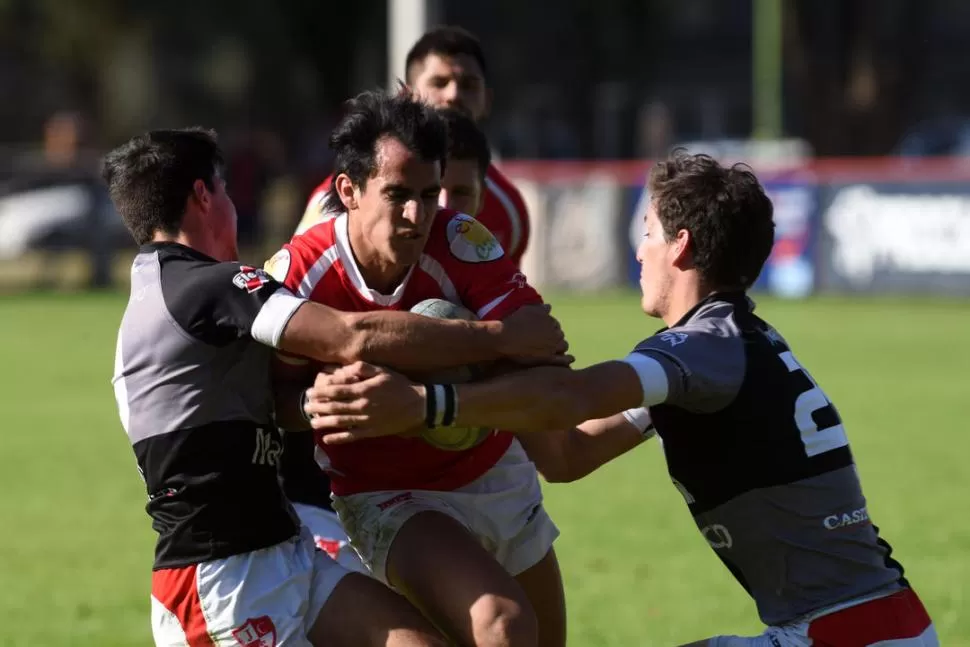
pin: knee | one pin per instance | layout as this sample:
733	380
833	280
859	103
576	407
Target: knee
498	621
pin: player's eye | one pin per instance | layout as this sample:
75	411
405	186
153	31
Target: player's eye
440	81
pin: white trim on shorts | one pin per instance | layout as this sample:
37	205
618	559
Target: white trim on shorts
273	593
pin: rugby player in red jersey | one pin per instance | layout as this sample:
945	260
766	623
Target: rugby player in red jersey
462	533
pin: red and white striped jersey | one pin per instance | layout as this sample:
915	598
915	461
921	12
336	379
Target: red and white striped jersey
504	213
463	263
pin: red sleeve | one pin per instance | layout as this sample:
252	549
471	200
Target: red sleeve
485	278
504	197
314	212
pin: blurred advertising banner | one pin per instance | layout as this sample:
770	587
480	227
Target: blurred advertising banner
881	225
895	237
576	228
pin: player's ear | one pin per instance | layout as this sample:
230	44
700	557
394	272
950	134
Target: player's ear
680	250
346	191
200	195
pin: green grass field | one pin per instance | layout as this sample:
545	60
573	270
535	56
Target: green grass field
76	545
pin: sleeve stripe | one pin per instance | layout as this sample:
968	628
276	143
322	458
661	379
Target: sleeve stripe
653	378
494	303
515	218
271	321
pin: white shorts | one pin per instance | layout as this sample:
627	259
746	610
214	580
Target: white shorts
896	619
329	536
268	597
503	509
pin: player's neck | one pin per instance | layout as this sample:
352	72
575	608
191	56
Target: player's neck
378	274
683	298
199	243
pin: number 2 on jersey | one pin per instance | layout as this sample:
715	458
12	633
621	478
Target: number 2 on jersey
816	441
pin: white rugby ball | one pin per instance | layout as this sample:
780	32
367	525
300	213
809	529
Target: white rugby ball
454	439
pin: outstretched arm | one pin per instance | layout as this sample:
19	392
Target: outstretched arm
376	402
415	343
567	455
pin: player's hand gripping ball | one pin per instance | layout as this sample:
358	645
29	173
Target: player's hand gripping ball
453	439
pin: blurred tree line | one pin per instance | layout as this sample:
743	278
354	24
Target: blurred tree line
575	79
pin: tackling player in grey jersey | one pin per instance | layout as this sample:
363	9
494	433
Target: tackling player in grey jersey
752	442
192	382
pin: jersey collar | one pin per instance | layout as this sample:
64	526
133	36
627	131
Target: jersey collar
737	298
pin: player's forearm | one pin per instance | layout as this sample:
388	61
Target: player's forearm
567	455
403	340
537	399
545	398
414	343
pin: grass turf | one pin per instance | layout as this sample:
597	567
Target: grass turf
76	545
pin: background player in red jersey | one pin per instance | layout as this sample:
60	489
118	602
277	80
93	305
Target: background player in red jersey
446	68
464	182
461	533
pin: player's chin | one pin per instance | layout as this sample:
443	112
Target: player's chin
649	305
407	251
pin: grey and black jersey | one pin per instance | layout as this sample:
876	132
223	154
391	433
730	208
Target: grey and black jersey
192	382
760	455
302	478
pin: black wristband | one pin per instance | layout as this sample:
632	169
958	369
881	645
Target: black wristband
430	406
448	419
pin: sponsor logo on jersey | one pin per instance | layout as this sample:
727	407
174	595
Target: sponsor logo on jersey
470	241
717	536
673	338
279	265
256	632
268	448
251	278
845	519
518	280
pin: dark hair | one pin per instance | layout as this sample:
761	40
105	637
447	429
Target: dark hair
150	177
369	117
446	40
466	141
726	211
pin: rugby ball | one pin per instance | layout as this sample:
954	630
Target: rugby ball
455	439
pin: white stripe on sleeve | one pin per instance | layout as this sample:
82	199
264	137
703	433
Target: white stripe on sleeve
273	316
653	378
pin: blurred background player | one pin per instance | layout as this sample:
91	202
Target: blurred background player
753	444
446	68
464	183
305	484
462	533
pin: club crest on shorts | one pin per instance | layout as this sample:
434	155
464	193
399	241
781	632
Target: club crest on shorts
279	265
256	632
330	546
470	241
250	279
